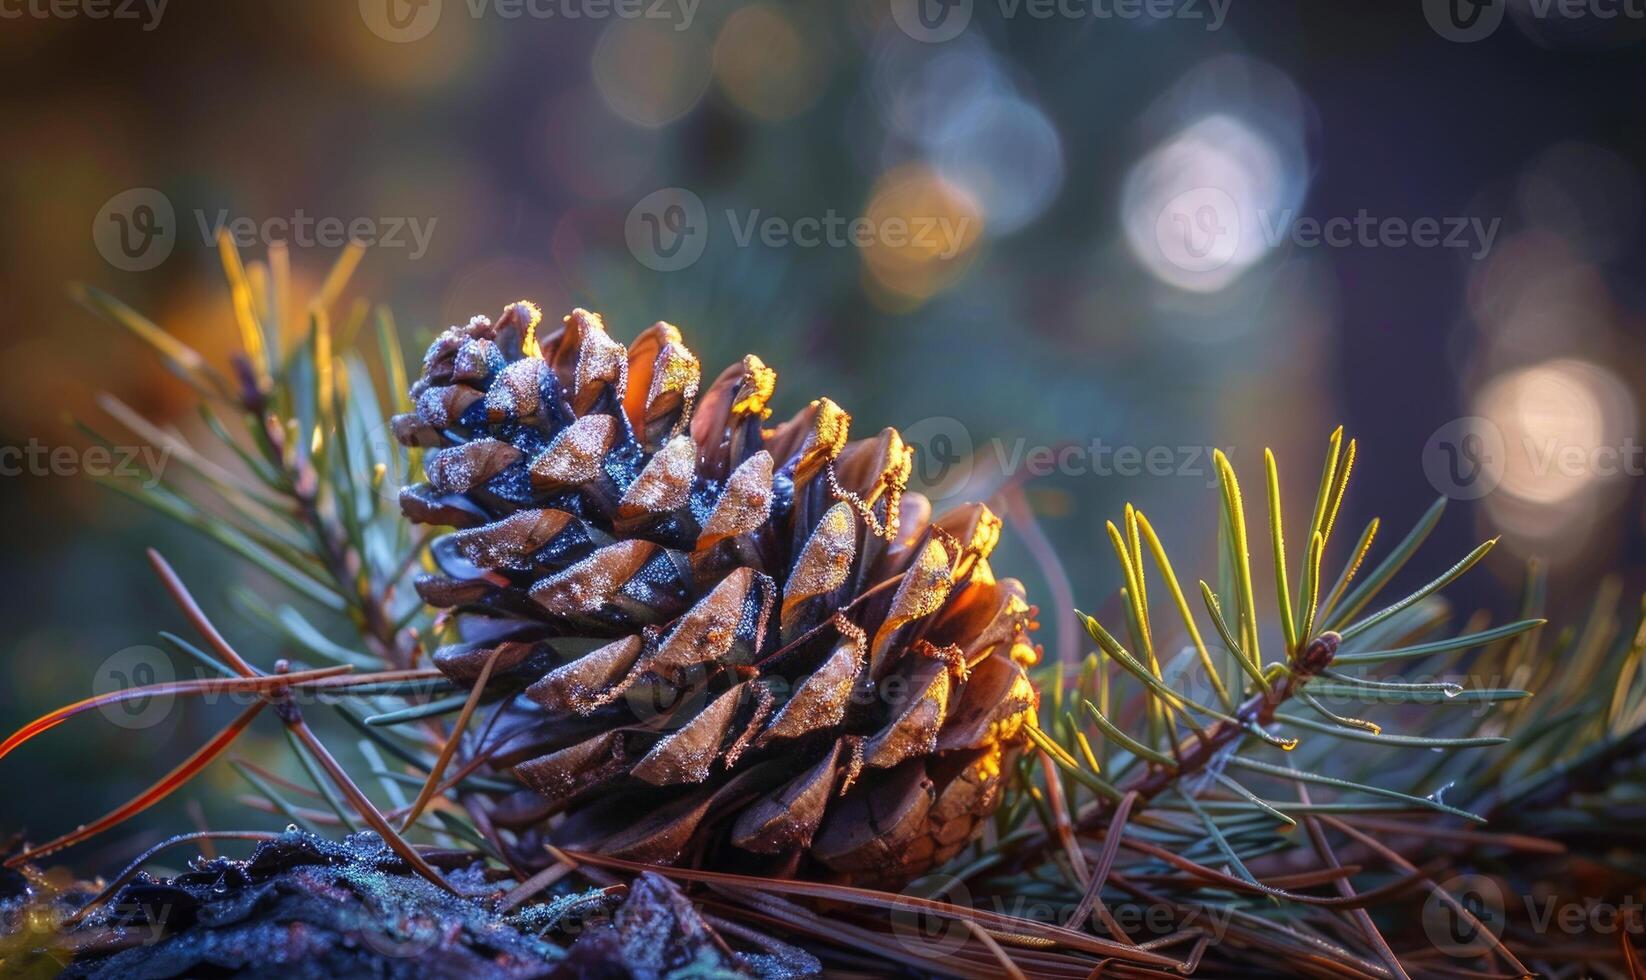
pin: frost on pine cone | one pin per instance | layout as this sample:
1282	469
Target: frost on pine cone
720	644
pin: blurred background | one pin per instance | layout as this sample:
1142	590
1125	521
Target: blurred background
1071	244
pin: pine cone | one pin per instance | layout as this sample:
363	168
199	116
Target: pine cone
719	644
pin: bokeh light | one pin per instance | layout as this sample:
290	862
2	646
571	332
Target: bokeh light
923	232
918	89
768	63
1534	296
1569	440
589	150
1586	193
649	73
1194	208
1005	153
1220	186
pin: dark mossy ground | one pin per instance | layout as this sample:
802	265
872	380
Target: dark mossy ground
304	906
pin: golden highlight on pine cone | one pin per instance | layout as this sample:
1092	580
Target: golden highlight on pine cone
713	643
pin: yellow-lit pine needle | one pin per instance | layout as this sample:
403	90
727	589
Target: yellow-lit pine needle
280	306
1215	610
1342	485
1136	548
181	354
257	277
1085	747
339	276
1361	549
1241	554
1134	592
1328	479
245	313
1323	494
1183	611
1309	591
1130	744
1277	535
321	338
1344	720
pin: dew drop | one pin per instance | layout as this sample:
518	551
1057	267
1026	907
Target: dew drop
1439	795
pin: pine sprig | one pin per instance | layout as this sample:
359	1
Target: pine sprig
307	505
1182	765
